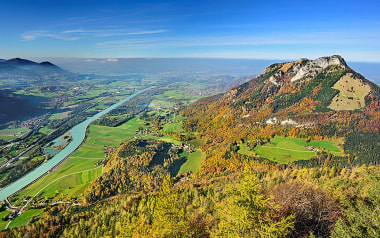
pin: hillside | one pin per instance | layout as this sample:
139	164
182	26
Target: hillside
18	72
311	99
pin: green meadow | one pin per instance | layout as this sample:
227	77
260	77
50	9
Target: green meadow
45	130
193	162
67	180
25	217
11	134
287	149
173	127
3	224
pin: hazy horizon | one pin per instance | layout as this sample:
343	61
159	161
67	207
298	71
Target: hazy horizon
244	67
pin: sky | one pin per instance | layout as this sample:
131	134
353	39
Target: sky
211	29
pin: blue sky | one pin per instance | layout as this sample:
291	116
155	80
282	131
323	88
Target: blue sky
221	29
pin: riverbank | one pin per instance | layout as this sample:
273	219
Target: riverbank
78	133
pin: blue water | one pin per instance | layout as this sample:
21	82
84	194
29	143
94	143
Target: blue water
56	145
77	133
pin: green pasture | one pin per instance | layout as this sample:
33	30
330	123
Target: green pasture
179	118
286	149
173	127
161	103
193	161
174	94
197	142
3	224
67	179
99	137
45	130
25	217
11	134
60	115
165	138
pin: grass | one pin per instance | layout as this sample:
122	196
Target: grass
25	217
173	127
66	182
60	115
11	134
3	224
45	130
193	162
351	94
100	137
174	94
197	142
165	138
286	149
160	103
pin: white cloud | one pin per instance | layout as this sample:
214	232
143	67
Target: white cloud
112	60
29	37
77	34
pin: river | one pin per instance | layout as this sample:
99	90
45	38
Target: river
78	134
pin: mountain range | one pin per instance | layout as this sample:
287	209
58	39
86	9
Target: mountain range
20	72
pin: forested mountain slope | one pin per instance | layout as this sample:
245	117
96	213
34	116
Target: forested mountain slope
312	99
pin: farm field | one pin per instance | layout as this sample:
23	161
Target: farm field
11	134
175	94
286	149
65	179
60	115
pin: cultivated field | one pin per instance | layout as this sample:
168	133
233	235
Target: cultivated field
11	134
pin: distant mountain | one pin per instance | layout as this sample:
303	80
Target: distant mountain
20	62
47	63
19	72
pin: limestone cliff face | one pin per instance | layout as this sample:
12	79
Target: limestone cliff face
314	67
305	69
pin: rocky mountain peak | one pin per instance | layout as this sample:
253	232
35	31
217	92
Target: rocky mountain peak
314	67
305	69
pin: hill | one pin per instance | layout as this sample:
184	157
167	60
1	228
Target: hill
19	72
